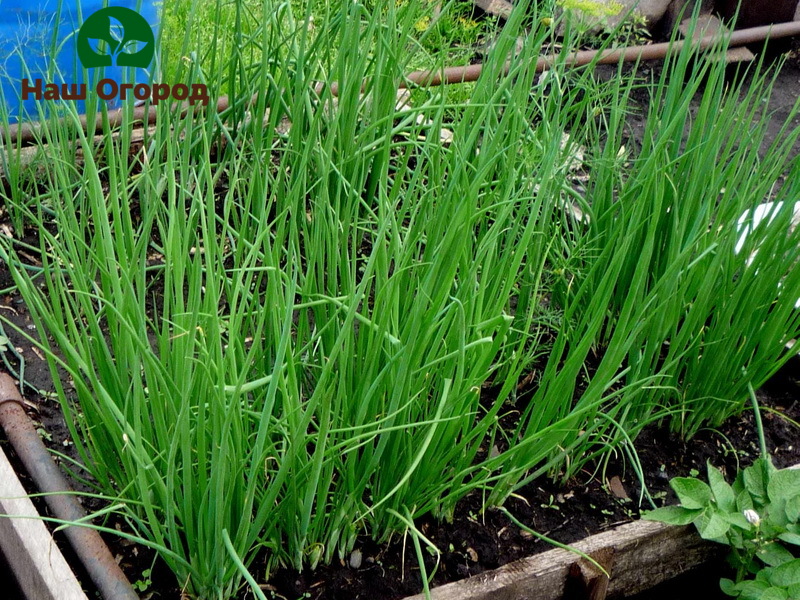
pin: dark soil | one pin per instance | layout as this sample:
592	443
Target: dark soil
479	541
474	542
699	584
8	584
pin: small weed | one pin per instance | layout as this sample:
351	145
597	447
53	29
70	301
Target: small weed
144	582
552	504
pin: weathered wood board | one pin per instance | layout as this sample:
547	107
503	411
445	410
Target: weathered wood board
643	554
38	565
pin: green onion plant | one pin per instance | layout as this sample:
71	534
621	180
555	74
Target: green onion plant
306	318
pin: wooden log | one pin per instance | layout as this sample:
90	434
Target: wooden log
38	565
642	554
591	583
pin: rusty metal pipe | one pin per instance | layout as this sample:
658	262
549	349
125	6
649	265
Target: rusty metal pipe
584	57
86	542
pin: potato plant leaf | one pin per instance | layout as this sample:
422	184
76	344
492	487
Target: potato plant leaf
751	590
713	527
774	593
785	575
784	484
728	587
737	519
790	538
672	515
793	509
774	555
754	481
744	501
723	492
692	492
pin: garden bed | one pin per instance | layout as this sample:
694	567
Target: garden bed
568	514
600	495
487	549
646	554
37	564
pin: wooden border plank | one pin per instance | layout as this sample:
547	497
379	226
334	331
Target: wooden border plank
38	565
644	554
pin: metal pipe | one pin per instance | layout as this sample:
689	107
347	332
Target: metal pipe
86	542
613	56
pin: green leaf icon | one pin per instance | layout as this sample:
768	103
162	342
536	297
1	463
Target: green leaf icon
130	47
115	35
